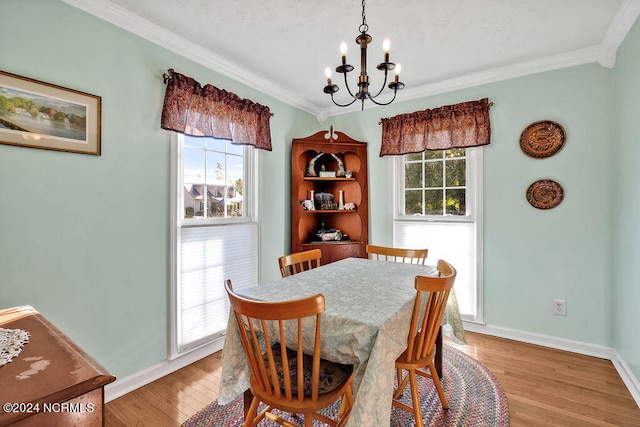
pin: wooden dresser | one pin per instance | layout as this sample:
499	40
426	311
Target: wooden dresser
52	382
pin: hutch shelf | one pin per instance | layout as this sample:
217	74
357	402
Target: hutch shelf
329	163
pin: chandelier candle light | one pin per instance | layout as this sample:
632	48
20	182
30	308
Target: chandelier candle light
363	94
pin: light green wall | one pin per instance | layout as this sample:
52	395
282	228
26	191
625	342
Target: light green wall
534	256
626	303
531	256
85	239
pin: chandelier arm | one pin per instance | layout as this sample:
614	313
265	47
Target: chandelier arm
346	84
395	91
343	105
384	84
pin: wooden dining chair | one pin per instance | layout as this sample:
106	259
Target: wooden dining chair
425	323
385	253
282	375
299	261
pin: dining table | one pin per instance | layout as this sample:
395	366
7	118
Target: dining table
369	304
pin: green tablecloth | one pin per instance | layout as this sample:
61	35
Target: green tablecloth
368	310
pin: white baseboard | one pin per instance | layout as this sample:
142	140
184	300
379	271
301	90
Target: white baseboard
127	384
579	347
627	376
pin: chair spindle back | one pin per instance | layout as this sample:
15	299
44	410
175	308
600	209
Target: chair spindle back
298	262
409	256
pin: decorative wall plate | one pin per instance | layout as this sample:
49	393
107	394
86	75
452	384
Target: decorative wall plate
542	139
545	194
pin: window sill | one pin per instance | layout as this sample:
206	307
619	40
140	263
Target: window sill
429	218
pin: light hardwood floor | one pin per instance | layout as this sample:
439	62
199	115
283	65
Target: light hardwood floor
544	387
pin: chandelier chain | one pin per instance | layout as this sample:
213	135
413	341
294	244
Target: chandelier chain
363	27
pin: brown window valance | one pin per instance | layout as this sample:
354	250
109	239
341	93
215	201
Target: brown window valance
196	110
452	126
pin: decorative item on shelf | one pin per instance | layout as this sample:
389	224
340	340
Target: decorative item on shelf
326	201
311	167
349	206
340	201
312	206
348	174
321	160
545	194
363	93
325	173
329	234
542	139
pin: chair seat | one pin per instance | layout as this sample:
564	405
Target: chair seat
333	375
257	321
402	362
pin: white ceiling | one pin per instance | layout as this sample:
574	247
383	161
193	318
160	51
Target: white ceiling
281	47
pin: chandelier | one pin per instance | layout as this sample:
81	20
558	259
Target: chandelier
363	93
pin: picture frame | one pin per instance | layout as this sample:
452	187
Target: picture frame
37	114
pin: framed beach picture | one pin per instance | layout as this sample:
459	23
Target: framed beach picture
42	115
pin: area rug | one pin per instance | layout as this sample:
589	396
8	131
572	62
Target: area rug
475	399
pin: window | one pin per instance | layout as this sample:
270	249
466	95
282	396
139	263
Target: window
215	235
213	179
437	206
435	183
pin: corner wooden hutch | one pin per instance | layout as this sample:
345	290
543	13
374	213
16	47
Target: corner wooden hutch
325	163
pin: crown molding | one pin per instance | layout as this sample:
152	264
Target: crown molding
604	54
622	23
132	23
550	63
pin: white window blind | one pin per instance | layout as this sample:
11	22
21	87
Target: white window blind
437	204
208	256
451	241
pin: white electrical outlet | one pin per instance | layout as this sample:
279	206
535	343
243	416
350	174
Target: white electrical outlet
559	307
